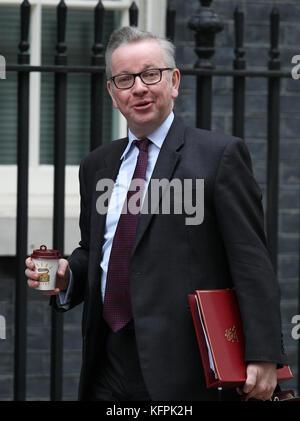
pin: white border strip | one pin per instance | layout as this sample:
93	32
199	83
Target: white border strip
79	4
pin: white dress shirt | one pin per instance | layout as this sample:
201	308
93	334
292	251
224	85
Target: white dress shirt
121	186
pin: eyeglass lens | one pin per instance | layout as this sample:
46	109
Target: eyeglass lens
149	77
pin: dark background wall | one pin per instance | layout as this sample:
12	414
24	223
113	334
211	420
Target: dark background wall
256	45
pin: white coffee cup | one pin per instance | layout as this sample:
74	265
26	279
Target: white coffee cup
46	264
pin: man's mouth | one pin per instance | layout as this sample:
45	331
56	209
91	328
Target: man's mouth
143	105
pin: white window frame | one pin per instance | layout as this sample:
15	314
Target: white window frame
40	205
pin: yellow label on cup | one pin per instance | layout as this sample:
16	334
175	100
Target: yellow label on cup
46	270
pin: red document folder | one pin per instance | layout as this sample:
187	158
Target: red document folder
220	338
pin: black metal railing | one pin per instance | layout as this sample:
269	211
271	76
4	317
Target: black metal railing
60	122
205	24
22	208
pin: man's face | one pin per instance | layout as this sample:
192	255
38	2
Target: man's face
145	107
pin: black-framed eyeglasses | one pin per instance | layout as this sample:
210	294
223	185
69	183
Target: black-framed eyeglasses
148	77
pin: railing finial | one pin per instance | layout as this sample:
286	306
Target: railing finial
23	57
239	51
205	3
274	53
61	47
98	47
205	23
170	20
133	14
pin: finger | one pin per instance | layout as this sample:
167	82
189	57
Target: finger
239	390
29	263
63	274
32	274
241	393
262	392
32	284
250	382
51	292
257	396
63	265
33	277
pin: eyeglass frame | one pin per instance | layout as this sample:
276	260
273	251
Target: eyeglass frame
139	75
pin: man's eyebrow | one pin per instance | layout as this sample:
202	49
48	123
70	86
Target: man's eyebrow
127	72
123	72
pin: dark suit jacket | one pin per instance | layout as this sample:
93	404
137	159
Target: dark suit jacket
171	259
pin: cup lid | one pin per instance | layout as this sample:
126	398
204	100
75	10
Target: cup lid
44	253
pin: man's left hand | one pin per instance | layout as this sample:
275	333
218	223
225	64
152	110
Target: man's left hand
261	381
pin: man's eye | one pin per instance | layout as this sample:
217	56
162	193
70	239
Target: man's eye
151	74
124	79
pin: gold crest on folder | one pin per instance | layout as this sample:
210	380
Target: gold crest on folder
231	334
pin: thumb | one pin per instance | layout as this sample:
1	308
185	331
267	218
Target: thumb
63	269
250	381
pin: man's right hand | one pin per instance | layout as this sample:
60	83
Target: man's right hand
62	276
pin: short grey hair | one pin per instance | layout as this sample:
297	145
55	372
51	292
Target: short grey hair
127	35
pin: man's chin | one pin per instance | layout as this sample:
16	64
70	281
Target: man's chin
145	125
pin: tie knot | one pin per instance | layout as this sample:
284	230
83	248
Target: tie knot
142	144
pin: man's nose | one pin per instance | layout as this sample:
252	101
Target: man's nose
139	86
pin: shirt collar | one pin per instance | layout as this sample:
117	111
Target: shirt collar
157	136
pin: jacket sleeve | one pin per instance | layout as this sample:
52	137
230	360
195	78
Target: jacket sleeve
238	203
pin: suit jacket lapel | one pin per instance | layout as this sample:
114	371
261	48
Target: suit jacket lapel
167	160
112	163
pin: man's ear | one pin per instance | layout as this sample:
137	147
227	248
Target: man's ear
111	93
175	83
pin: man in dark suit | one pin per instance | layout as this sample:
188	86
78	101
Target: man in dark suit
135	269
